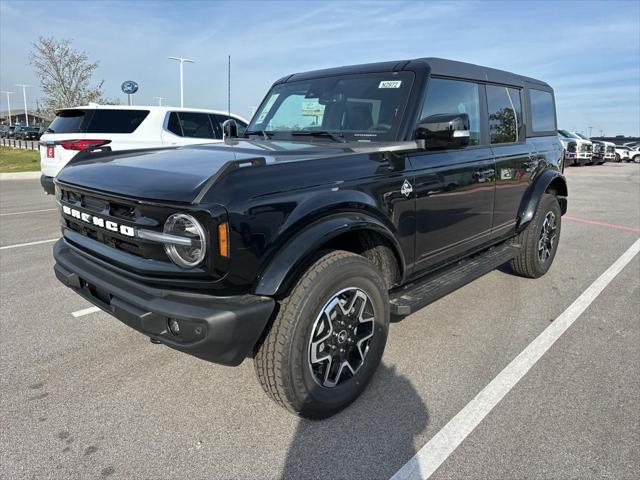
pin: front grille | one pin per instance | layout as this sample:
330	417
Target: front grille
585	147
611	149
121	212
572	147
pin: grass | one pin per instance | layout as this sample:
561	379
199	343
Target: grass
18	160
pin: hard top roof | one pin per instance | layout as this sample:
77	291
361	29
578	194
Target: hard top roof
439	66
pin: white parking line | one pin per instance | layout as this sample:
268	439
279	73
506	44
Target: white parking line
86	311
429	458
18	245
28	211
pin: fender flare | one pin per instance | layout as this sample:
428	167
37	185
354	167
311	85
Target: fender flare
292	256
531	200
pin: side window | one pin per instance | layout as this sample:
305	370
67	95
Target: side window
505	114
196	125
542	111
454	96
174	124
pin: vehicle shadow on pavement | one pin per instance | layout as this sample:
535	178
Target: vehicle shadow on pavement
371	439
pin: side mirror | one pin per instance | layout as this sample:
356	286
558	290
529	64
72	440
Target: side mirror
229	129
442	131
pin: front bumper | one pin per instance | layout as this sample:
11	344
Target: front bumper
222	330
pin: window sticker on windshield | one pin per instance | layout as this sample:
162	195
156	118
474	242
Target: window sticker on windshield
267	107
390	84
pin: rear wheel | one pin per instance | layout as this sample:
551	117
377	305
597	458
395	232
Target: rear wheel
539	240
328	337
617	157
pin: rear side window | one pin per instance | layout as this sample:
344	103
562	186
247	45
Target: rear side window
116	121
190	124
454	96
67	121
505	114
542	112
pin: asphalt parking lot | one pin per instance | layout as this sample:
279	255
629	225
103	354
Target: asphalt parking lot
87	397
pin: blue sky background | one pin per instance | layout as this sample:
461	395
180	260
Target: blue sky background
588	51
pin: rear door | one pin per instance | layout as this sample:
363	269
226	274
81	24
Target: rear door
454	188
515	158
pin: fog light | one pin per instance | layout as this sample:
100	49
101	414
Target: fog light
174	326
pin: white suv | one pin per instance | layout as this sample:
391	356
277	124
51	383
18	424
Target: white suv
118	127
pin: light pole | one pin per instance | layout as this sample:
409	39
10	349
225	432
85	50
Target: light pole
590	128
8	104
182	62
160	100
24	97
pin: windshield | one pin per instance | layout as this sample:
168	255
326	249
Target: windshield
365	107
567	134
579	135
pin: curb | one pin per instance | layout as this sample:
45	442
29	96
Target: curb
20	175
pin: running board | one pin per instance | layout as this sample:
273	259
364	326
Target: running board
422	292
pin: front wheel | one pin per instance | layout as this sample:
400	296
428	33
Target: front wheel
539	240
328	336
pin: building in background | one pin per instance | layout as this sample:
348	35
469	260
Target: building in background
36	118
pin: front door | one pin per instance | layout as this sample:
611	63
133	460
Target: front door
454	189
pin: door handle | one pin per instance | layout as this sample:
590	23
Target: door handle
483	175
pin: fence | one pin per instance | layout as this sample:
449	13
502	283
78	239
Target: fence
24	144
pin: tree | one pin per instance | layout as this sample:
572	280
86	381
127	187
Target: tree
65	74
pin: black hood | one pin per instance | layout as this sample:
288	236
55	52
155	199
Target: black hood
179	174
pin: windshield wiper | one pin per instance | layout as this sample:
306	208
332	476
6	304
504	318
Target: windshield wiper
263	133
338	137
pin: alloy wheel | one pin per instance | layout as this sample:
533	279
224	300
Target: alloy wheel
547	237
340	337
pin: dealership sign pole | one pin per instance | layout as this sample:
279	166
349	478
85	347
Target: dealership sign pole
129	87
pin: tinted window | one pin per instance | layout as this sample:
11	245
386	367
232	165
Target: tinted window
116	121
505	114
453	96
542	111
67	121
218	120
196	125
174	124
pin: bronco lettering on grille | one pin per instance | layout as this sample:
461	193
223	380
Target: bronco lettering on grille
99	222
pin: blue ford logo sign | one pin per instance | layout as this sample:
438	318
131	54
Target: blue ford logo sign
129	87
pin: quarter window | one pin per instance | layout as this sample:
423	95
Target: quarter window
542	111
505	114
454	96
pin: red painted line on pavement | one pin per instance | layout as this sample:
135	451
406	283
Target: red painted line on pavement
602	224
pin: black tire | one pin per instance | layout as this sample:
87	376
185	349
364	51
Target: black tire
617	158
530	262
284	364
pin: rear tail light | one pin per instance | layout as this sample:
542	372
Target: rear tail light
82	144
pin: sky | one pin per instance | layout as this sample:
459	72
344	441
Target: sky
588	51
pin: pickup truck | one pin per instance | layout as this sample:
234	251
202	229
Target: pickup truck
355	194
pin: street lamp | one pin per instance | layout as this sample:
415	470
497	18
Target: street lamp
24	96
160	100
182	62
8	104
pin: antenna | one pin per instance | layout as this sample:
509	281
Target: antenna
229	85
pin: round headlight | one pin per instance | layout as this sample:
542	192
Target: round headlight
191	254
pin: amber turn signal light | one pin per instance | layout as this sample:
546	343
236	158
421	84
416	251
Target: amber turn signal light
223	239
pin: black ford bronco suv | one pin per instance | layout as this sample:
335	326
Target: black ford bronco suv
355	194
